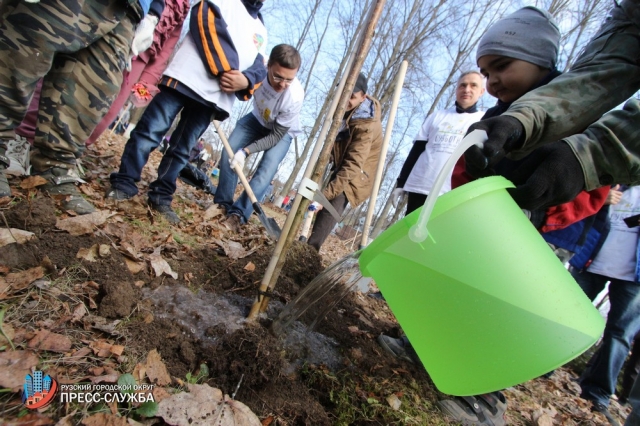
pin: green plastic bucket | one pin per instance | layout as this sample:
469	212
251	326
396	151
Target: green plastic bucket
484	301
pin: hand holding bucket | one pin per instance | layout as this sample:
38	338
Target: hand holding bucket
484	301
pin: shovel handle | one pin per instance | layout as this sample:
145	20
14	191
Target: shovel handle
237	169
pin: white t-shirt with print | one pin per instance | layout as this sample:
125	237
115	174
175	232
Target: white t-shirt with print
249	37
617	257
285	106
443	130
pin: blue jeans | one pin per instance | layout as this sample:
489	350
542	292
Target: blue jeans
633	419
147	135
598	382
248	130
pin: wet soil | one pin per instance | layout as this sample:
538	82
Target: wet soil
333	374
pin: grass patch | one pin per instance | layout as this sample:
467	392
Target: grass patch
364	400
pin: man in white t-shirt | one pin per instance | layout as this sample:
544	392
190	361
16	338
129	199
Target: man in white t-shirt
270	127
440	134
614	259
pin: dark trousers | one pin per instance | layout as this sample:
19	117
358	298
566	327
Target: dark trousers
324	223
414	201
631	369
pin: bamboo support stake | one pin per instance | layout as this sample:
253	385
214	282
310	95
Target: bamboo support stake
328	133
323	159
383	152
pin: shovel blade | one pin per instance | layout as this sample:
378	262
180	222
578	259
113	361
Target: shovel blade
269	223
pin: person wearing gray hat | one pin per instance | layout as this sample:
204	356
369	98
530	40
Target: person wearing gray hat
512	37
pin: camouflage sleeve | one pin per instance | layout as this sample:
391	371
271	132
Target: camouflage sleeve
604	158
605	75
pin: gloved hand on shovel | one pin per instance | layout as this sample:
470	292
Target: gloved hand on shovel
238	159
396	196
315	206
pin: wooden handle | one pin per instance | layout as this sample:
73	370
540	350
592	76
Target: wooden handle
237	168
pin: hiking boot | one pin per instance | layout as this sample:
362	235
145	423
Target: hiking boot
487	409
18	155
233	223
604	410
64	182
116	194
399	348
166	212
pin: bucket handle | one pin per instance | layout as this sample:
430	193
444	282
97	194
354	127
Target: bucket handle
419	232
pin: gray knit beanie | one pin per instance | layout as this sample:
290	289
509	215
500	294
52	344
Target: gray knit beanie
529	34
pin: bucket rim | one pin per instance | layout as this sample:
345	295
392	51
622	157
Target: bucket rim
469	191
445	203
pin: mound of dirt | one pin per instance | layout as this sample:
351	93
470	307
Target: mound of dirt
37	215
117	299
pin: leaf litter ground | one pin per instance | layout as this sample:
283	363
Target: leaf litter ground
91	299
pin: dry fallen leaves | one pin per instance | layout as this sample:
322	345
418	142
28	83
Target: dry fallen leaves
33	182
156	369
110	376
394	402
204	405
45	340
83	224
14	366
17	281
31	419
232	249
12	235
89	254
132	266
159	265
105	419
212	212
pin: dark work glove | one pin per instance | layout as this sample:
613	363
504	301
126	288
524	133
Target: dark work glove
549	176
505	134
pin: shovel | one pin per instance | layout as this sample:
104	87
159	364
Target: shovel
269	223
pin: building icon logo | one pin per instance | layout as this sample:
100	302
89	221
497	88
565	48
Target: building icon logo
38	390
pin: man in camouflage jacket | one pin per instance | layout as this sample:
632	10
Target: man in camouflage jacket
586	149
79	48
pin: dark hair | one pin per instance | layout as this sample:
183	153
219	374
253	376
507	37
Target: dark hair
286	56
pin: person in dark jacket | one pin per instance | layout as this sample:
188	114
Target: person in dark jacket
612	257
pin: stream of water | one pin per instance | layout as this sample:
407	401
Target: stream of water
328	288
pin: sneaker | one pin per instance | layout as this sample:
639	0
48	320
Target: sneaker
64	182
399	348
604	410
166	212
233	223
18	154
116	194
377	295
